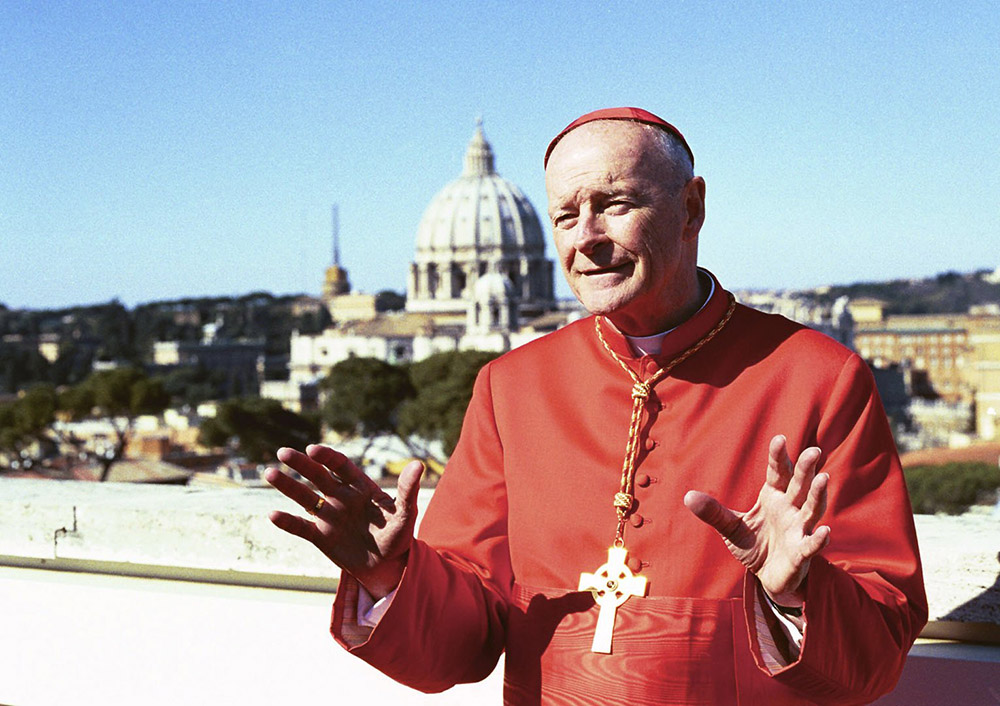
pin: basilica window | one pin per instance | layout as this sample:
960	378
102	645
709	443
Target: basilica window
432	280
458	281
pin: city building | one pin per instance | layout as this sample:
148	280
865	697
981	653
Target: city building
479	280
865	311
952	358
941	354
241	363
948	364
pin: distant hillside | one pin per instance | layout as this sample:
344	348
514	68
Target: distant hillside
112	332
950	292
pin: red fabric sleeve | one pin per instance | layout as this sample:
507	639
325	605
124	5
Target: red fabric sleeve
865	601
447	621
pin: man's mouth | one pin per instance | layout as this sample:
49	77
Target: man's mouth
607	269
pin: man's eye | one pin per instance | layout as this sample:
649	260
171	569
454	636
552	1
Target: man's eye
563	220
618	206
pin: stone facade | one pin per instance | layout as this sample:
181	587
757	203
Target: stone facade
957	354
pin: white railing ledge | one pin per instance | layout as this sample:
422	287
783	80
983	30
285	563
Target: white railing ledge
203	534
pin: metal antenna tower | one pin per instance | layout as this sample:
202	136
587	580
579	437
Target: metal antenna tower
335	222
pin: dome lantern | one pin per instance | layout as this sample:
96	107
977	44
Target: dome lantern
479	155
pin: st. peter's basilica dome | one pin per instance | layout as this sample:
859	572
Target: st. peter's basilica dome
478	224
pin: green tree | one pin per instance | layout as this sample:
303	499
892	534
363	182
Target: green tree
193	384
443	384
119	396
362	398
10	437
257	427
388	300
20	366
112	324
25	421
951	487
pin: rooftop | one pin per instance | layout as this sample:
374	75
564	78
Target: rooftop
988	452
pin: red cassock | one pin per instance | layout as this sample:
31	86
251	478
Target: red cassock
526	506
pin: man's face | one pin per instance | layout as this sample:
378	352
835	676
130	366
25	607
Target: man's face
625	225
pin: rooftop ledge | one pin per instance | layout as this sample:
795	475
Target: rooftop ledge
208	535
222	535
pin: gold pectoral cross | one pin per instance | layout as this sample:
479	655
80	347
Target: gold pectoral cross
612	585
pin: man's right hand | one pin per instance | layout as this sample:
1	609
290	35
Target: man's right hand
358	526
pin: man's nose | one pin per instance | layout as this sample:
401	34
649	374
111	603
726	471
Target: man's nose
590	233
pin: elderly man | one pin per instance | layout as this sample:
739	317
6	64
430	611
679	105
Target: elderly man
558	533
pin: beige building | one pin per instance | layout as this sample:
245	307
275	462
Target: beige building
958	354
354	306
942	354
984	374
866	311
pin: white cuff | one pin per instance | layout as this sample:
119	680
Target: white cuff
371	611
772	656
791	631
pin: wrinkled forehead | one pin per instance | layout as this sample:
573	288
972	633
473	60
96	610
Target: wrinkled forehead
608	150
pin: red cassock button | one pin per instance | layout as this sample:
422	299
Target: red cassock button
642	480
634	564
636	520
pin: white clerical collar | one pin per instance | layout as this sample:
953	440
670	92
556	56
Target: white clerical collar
652	345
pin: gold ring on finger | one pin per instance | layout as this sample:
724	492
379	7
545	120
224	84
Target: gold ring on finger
318	506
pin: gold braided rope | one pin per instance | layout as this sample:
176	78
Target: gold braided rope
625	498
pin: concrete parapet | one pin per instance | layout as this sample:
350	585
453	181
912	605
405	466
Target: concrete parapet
215	535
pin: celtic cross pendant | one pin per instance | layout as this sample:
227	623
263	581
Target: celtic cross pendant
612	584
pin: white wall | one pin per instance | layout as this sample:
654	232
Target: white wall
78	638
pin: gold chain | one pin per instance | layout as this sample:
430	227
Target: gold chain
625	498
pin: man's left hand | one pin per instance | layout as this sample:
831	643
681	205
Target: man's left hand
777	538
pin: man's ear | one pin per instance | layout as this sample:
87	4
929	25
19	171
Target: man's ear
694	207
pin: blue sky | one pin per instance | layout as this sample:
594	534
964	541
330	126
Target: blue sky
156	150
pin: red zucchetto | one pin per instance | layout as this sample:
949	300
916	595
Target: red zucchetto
637	115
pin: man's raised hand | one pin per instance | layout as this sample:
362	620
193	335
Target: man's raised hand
778	537
357	525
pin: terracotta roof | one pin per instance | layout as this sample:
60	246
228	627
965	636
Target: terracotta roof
389	326
983	453
136	471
